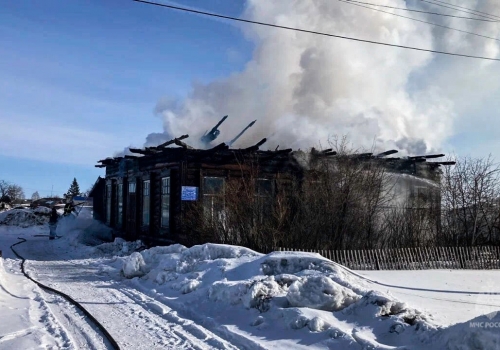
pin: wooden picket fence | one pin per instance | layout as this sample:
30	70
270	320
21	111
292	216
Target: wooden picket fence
479	258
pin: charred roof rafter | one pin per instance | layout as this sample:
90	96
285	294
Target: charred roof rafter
222	154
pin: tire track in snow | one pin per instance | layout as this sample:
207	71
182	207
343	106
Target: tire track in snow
17	334
183	328
81	334
237	340
53	327
103	330
134	319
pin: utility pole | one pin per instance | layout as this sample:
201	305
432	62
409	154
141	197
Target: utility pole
51	189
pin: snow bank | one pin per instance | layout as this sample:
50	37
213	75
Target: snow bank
482	332
295	262
283	285
134	266
320	292
42	210
119	247
281	300
23	218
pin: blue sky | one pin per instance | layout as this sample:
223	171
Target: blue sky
80	80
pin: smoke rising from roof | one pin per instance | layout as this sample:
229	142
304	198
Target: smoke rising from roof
304	88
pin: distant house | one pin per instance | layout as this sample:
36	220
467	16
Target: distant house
47	202
146	195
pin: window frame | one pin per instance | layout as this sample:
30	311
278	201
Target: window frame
146	203
108	203
210	199
119	205
165	201
263	199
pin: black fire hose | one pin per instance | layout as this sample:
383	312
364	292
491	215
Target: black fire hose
67	297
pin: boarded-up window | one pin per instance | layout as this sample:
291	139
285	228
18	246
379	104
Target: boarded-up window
108	204
119	206
213	197
145	202
165	201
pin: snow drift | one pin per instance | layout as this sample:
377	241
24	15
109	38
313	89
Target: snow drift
24	217
280	300
285	290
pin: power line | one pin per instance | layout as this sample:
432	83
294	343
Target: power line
465	8
313	32
454	8
419	20
419	11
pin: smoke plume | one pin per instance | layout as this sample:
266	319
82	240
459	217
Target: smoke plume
304	88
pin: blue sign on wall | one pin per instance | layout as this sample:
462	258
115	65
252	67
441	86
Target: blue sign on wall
189	193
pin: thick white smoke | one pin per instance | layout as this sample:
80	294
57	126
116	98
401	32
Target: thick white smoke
304	88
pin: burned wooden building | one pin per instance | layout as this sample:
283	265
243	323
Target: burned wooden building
147	195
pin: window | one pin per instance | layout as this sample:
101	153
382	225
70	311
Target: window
165	202
145	202
131	187
213	196
108	204
131	207
119	202
263	192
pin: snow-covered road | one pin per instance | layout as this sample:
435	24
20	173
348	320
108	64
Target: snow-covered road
134	319
226	297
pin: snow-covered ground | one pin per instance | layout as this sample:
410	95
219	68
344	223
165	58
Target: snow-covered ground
226	297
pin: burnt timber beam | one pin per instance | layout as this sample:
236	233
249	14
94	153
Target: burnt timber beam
256	146
362	155
151	149
281	152
428	156
415	160
324	153
140	151
107	160
165	144
386	153
441	163
182	144
220	147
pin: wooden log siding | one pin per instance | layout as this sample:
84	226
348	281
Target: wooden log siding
478	258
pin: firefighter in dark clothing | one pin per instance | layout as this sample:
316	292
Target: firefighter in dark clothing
54	217
69	208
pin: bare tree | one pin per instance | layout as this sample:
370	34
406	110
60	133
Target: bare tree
11	191
470	194
4	185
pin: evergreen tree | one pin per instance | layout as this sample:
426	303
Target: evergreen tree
74	189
